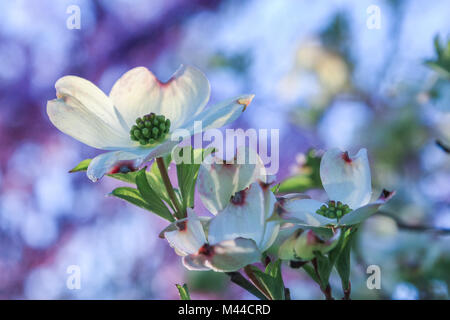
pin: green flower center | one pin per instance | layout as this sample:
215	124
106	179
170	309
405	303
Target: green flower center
150	129
334	210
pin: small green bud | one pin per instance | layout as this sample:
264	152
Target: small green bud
146	132
333	209
149	129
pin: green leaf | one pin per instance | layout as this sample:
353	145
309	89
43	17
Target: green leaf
187	173
156	183
312	273
441	63
134	196
343	260
239	280
129	177
271	279
151	197
324	268
82	166
184	292
309	176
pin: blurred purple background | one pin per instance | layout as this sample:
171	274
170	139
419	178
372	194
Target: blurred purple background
320	76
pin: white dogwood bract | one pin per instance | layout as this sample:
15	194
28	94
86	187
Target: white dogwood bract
239	232
217	181
102	121
345	179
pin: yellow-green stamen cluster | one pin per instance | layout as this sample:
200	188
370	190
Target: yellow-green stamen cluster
334	210
150	129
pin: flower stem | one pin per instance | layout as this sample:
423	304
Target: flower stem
240	280
249	272
173	197
347	292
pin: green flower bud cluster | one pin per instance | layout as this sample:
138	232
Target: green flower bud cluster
334	210
150	129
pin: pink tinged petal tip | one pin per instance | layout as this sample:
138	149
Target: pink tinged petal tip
386	195
245	101
346	157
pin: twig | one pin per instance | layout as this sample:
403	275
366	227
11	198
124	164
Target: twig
416	228
444	147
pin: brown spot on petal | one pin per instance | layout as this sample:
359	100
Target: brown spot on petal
346	157
386	195
123	167
239	197
206	250
182	225
265	186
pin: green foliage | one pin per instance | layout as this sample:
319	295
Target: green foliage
187	173
339	257
134	196
82	166
441	63
343	260
271	279
183	291
309	176
151	197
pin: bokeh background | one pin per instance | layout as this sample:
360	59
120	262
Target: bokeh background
320	75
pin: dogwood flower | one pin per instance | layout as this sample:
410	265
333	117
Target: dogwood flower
347	182
139	119
239	232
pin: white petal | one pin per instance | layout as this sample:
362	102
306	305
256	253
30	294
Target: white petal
195	262
138	92
362	213
133	158
188	236
346	179
273	227
226	256
220	114
91	97
245	219
218	181
80	122
303	211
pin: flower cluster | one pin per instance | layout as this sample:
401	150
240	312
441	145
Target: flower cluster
138	122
